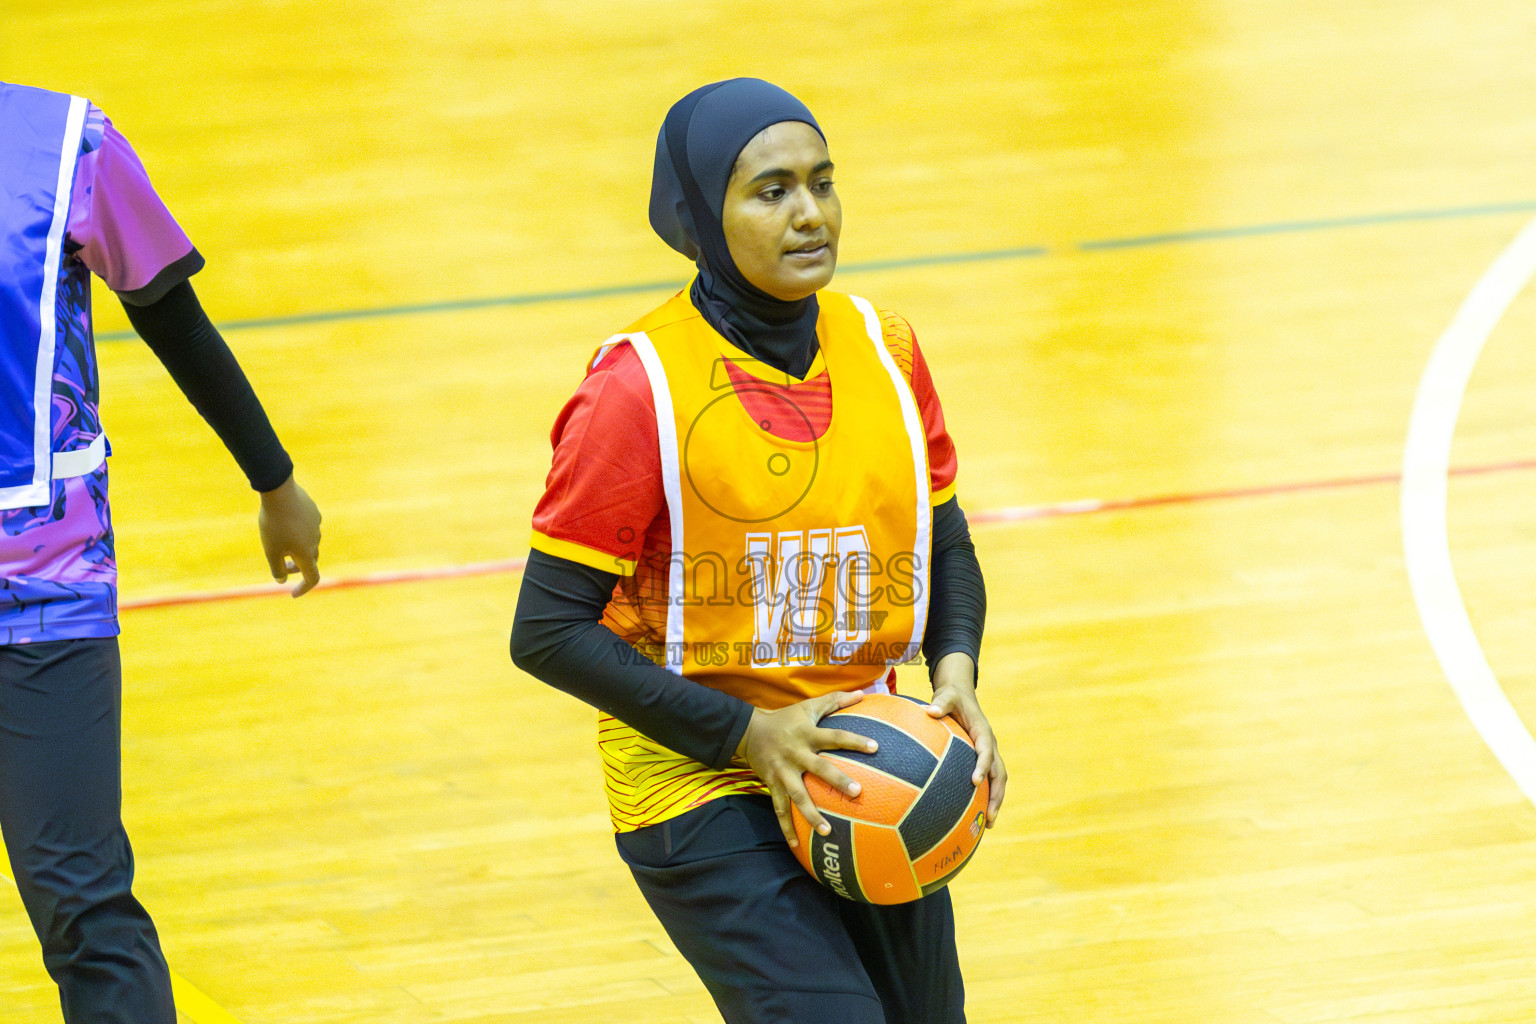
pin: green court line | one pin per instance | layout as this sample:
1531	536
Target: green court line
1301	226
902	263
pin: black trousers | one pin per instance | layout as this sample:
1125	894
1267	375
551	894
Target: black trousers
772	945
61	815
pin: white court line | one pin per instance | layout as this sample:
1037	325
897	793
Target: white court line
1426	545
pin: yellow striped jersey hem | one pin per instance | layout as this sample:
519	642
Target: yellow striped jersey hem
647	784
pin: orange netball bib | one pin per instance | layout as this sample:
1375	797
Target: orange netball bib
797	567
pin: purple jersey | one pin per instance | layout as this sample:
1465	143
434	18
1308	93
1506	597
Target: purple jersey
58	570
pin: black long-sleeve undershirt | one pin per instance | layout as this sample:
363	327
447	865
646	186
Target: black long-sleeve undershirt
192	350
957	593
557	636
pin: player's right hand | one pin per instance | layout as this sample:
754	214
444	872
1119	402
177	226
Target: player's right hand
289	523
781	746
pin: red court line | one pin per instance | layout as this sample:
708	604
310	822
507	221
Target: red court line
1083	507
377	579
1013	514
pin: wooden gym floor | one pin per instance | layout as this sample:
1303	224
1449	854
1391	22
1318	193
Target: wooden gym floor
1179	269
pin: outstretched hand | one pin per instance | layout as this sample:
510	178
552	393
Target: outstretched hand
954	694
289	522
781	746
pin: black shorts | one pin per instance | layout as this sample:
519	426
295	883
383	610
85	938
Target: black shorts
772	945
61	815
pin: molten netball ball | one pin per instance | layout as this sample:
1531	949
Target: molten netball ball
917	818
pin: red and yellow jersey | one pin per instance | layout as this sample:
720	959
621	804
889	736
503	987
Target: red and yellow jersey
788	557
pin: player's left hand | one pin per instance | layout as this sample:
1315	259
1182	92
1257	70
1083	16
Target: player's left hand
289	522
954	693
783	746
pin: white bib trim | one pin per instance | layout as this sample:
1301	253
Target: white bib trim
923	539
37	492
671	480
80	461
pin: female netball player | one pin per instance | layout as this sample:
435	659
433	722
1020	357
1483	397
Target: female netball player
749	518
75	200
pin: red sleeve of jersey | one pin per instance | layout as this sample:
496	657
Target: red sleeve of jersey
943	464
604	487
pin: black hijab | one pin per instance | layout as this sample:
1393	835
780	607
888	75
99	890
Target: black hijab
703	134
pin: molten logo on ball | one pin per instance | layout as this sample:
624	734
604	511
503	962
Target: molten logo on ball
831	869
918	817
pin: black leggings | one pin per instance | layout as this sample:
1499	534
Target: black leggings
772	945
61	814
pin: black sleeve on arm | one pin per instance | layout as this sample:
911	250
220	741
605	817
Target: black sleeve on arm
558	637
181	335
957	595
